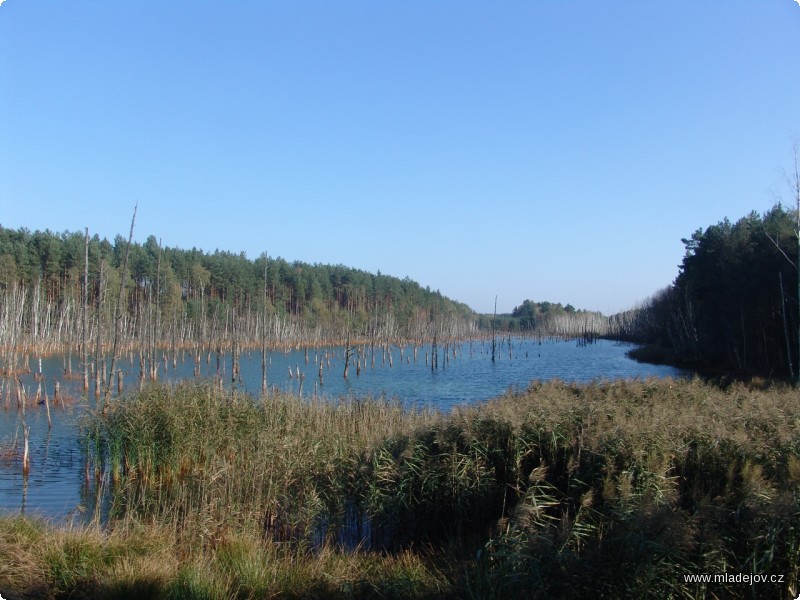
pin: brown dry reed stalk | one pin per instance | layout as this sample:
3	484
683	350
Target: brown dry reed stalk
559	491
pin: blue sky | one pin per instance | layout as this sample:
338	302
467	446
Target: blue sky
546	150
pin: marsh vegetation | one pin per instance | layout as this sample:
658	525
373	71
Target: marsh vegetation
561	490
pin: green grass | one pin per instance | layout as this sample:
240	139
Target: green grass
149	562
611	490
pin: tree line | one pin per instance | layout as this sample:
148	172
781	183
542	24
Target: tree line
174	296
734	302
547	319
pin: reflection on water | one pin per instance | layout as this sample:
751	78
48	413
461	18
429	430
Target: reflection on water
60	486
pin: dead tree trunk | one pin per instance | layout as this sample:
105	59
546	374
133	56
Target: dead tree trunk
796	183
264	334
155	326
494	321
786	328
99	360
118	311
348	353
85	316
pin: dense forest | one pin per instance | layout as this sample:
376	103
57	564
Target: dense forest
734	304
173	297
55	261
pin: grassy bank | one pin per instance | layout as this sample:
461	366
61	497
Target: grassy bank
146	560
613	490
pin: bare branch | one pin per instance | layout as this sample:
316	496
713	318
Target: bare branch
786	256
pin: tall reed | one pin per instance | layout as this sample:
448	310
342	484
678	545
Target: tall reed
208	460
615	489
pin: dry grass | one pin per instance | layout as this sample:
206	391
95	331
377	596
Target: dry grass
645	482
561	491
148	562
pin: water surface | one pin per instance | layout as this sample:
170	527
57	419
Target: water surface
57	486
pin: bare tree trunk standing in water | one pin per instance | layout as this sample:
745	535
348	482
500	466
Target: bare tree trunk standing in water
85	316
264	334
234	346
155	327
494	320
118	312
348	353
99	360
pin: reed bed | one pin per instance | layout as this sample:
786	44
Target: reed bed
208	461
615	490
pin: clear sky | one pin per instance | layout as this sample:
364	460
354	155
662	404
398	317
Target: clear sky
535	149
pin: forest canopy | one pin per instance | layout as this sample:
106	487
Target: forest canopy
734	303
188	283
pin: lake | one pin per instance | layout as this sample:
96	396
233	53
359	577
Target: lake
57	486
